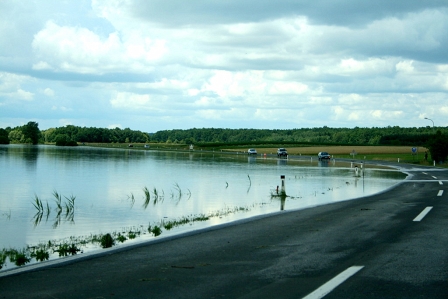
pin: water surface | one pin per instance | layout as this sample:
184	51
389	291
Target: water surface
108	186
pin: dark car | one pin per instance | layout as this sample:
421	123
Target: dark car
323	156
282	152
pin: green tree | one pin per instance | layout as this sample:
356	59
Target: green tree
31	132
438	147
16	136
4	139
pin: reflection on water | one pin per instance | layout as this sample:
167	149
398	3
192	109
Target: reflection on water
116	188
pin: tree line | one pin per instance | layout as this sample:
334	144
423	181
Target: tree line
70	135
325	135
429	137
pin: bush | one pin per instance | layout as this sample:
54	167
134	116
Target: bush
107	241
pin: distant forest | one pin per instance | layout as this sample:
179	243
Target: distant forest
324	135
70	135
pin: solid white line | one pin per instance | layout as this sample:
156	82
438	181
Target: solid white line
333	283
440	193
422	214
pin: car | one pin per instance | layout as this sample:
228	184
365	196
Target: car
282	152
251	151
323	156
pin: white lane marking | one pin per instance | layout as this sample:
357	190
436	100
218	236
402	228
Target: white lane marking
333	283
440	193
434	177
440	183
424	172
422	214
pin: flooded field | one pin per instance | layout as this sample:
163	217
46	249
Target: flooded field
52	198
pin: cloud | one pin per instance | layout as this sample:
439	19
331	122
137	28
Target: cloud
80	50
156	64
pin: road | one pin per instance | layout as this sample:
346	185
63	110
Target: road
389	245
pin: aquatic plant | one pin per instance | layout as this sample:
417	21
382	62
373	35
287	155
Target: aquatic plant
66	249
40	255
120	238
107	241
156	230
147	197
7	214
179	190
19	257
58	200
3	256
38	204
70	204
132	198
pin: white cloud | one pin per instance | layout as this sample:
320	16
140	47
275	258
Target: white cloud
49	92
129	100
225	64
114	126
80	50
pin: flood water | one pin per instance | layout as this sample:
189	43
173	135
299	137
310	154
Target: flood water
107	189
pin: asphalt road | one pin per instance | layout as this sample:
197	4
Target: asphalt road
381	246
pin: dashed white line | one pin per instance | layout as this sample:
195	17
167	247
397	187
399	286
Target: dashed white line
422	214
440	183
333	283
434	177
440	193
424	172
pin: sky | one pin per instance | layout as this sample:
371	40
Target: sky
154	65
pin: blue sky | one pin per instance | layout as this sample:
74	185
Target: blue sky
160	65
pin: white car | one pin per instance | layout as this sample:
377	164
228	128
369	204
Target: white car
323	156
251	151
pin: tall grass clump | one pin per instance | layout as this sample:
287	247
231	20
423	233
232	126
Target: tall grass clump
107	241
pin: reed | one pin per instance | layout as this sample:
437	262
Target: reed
179	190
132	198
37	203
147	197
156	195
69	204
58	200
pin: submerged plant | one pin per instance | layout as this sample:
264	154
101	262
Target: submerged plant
58	200
40	255
66	249
179	190
156	230
38	204
107	241
147	197
19	258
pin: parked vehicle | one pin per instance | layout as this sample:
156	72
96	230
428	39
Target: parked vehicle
323	156
251	151
282	152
